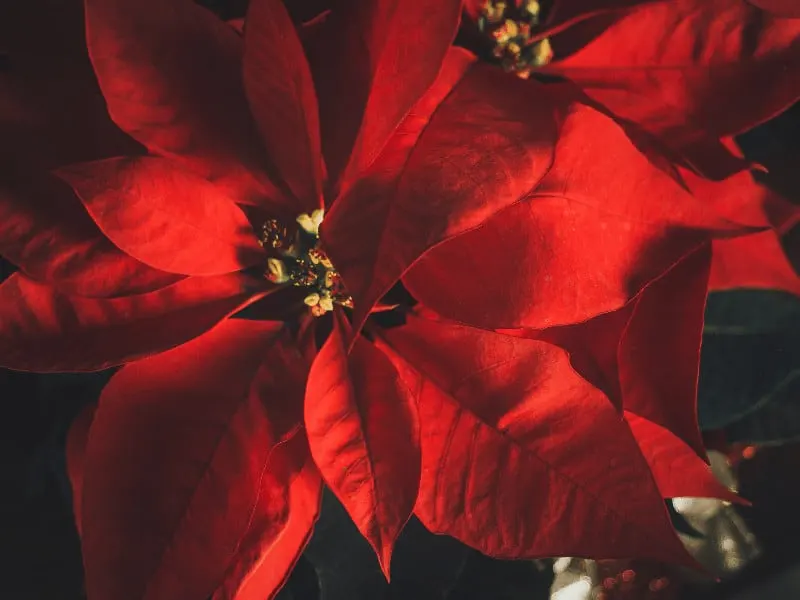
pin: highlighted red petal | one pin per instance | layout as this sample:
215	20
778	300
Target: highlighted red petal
448	186
265	560
184	459
165	216
521	457
586	240
756	261
364	436
45	230
677	469
42	329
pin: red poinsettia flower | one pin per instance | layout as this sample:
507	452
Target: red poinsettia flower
199	472
676	69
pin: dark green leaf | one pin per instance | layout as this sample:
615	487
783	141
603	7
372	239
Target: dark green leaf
751	350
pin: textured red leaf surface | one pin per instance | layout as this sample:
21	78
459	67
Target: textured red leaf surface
171	74
180	461
165	216
523	458
364	436
44	330
265	562
592	346
281	95
783	8
679	67
646	355
677	469
447	186
367	201
659	351
737	198
386	54
755	261
584	242
75	451
45	230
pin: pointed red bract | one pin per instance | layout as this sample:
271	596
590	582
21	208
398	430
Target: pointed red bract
646	355
756	261
678	68
265	560
171	74
385	53
165	216
592	346
677	469
583	242
44	330
46	231
736	198
659	351
507	429
281	95
364	436
446	187
181	457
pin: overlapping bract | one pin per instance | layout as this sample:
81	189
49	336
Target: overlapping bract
539	401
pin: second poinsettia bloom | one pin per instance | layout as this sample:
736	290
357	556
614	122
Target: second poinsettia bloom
677	69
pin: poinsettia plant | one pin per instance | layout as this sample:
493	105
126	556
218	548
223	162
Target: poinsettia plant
679	73
436	293
679	70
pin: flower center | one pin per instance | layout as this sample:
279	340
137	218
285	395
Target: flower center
303	263
510	29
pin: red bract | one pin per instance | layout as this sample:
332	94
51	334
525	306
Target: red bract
762	260
589	237
504	422
645	357
201	471
677	69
